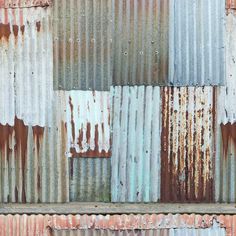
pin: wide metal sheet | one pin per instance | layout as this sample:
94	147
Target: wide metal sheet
82	44
135	158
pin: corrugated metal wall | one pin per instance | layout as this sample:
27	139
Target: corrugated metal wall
135	159
210	225
196	50
82	44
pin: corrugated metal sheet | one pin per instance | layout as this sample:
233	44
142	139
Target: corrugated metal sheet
140	53
88	123
216	231
196	50
82	44
176	224
136	144
90	179
187	147
225	167
231	4
24	3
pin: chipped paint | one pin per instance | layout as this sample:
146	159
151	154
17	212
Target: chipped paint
88	124
187	147
176	224
24	4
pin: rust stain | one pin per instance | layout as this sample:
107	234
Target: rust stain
72	119
228	132
38	25
38	136
5	31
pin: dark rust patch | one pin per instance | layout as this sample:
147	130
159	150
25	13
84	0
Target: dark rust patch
228	133
38	26
72	119
38	136
5	31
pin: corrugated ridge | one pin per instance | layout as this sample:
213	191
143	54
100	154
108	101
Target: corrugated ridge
140	51
82	44
136	144
196	51
187	148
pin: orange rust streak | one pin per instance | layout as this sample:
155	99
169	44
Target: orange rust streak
228	132
5	31
38	25
38	135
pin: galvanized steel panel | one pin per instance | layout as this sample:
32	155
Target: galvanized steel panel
187	147
88	124
140	55
196	45
23	4
225	166
135	158
118	224
82	44
90	179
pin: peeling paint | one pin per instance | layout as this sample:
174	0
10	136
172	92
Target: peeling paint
24	4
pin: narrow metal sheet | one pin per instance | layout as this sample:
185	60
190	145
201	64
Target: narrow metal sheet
135	158
82	44
187	144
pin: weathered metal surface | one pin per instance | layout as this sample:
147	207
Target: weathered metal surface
88	124
196	45
231	4
187	147
140	42
24	3
225	166
25	66
176	224
135	158
82	44
214	231
90	179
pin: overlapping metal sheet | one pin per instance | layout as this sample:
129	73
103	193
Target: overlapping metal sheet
225	166
140	55
82	44
187	144
88	123
196	44
176	224
135	159
24	3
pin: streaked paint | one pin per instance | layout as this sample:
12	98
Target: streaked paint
196	45
225	165
210	225
82	44
25	3
140	51
88	123
187	147
135	158
26	67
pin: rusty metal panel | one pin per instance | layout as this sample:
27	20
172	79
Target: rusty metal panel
90	179
225	166
196	45
88	124
24	4
135	158
231	4
40	225
82	44
140	42
187	144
